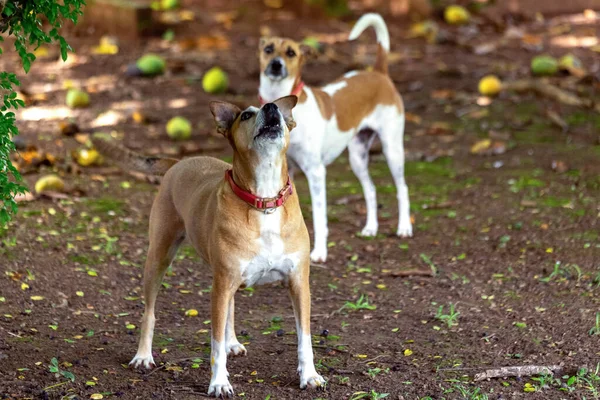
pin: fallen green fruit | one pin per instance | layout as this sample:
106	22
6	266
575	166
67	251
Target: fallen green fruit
151	64
77	98
544	65
215	81
179	128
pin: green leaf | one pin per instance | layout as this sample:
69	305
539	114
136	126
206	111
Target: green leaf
68	375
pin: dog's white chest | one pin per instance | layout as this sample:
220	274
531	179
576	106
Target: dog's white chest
271	264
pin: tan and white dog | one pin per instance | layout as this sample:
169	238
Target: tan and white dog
243	219
346	113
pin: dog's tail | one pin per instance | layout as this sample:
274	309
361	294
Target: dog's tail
131	160
383	38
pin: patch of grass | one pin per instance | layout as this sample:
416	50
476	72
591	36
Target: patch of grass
467	393
373	372
596	328
361	304
55	369
450	319
441	168
552	201
561	273
105	205
524	182
372	395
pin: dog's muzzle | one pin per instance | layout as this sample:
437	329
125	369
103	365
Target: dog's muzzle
271	123
276	69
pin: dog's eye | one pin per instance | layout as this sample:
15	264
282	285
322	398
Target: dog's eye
246	115
290	53
269	49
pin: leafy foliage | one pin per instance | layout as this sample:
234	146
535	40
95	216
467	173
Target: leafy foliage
32	24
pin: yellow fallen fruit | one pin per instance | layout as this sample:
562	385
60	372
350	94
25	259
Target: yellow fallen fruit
215	81
490	85
86	157
481	146
179	128
169	4
191	313
49	183
456	15
77	98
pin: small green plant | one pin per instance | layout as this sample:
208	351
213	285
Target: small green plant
373	372
361	304
596	328
53	367
467	393
544	381
343	380
427	260
450	319
372	395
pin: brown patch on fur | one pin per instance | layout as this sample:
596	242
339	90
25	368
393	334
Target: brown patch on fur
363	92
324	102
381	63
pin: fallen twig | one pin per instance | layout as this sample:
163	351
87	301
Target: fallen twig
524	370
174	362
548	90
412	272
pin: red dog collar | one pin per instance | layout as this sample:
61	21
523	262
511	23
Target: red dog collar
260	203
297	90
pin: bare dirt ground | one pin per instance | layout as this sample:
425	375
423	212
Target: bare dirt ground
513	244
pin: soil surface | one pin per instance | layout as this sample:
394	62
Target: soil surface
512	242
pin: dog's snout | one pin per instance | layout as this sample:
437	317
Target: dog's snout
270	108
276	65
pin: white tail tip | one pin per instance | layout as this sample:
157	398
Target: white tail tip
376	21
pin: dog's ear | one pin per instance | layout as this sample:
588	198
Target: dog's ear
308	52
285	105
225	115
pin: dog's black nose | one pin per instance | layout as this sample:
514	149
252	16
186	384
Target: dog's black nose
270	109
276	65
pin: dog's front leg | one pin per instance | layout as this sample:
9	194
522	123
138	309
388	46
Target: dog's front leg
318	195
233	346
221	296
300	294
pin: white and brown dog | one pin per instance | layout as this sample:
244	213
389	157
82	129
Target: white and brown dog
346	113
244	220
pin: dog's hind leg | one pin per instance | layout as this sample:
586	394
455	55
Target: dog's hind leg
166	234
358	150
392	141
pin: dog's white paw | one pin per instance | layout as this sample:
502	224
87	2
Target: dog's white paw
369	231
142	361
405	230
236	349
315	381
318	255
220	388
